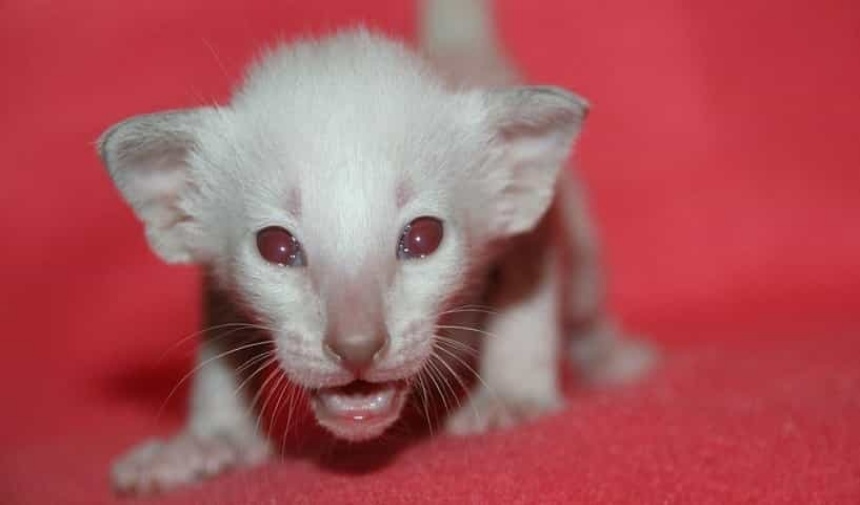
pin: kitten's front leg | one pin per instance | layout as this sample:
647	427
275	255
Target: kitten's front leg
221	432
519	357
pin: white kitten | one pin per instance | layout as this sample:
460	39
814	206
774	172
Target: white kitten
354	203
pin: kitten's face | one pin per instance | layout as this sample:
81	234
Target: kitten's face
346	198
346	240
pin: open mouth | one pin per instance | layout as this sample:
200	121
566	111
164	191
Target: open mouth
359	410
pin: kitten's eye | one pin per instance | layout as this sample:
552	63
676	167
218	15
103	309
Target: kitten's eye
420	238
278	246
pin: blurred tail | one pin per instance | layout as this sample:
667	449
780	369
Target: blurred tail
461	36
457	25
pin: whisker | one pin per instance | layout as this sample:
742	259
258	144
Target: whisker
434	372
427	405
289	392
296	394
200	366
444	378
424	399
456	345
235	326
466	310
279	384
275	373
474	306
460	380
252	361
466	328
454	373
217	58
468	367
262	361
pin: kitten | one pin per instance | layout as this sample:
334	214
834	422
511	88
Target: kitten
366	212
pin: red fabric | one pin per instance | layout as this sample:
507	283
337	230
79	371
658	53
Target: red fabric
724	165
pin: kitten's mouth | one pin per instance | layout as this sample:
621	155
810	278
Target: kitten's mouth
359	410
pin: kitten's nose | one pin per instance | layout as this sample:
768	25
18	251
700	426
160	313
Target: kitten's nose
356	351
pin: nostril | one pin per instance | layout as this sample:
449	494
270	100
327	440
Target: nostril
382	350
356	352
331	352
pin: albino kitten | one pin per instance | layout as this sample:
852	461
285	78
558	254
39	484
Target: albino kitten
355	202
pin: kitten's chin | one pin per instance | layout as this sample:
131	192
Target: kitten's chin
359	410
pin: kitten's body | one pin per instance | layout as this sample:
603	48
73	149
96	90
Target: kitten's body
347	142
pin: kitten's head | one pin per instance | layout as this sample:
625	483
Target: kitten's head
345	196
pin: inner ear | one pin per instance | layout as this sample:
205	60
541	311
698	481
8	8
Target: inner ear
533	131
148	158
537	111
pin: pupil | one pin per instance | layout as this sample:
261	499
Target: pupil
421	237
277	245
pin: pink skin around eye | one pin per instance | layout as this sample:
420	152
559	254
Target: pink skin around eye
422	237
276	245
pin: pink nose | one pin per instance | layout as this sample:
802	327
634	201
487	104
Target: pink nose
356	352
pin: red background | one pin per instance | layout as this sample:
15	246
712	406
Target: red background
724	166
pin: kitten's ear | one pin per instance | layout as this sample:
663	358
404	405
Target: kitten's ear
148	158
534	129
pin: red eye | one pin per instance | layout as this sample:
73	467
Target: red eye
420	238
278	246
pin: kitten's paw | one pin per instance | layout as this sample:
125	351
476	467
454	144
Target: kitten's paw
159	465
485	412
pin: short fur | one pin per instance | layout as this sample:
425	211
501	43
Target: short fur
343	141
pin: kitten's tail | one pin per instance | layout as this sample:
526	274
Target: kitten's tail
457	25
460	35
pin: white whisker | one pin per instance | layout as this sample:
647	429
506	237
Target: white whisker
456	345
279	384
200	366
435	374
466	328
262	361
233	326
474	372
425	401
263	389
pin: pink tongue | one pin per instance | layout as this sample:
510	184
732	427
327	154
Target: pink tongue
358	400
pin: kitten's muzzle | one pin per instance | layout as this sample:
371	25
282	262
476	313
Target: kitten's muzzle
356	334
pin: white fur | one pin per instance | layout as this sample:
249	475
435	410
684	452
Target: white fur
321	139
